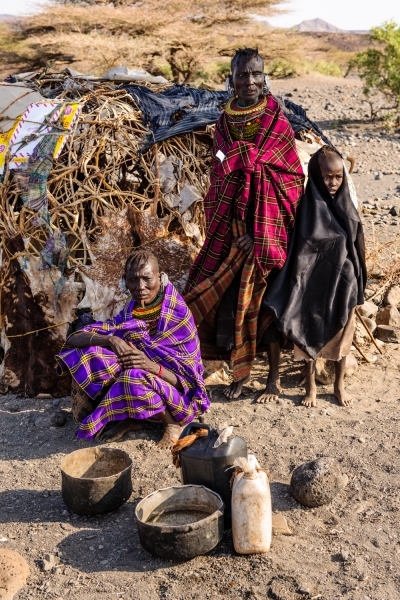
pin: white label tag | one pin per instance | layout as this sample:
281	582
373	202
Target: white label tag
221	156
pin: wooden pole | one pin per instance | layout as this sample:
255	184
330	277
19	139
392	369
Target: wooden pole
361	352
368	331
157	182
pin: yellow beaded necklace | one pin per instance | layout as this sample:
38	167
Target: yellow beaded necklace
244	122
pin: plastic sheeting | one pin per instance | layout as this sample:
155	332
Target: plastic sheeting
181	109
178	109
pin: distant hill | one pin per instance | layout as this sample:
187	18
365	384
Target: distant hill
317	26
321	26
262	20
6	17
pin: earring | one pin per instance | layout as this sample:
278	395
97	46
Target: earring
229	87
266	86
122	284
164	280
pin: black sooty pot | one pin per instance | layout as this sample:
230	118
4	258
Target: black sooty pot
179	523
96	480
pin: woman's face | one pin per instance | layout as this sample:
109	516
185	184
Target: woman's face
248	80
144	283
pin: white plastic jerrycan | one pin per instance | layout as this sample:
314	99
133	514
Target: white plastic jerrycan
251	508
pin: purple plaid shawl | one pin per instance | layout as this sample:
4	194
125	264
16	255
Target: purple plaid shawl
175	346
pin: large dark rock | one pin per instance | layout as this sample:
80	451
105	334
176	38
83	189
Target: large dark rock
388	333
52	417
317	482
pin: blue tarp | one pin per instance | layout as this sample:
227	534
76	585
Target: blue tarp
181	109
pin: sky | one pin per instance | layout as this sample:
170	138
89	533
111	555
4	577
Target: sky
346	14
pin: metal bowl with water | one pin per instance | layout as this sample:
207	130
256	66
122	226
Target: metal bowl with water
180	522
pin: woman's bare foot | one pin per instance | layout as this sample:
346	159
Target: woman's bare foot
310	400
171	434
342	396
235	388
116	430
272	391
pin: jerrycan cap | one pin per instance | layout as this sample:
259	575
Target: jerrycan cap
249	466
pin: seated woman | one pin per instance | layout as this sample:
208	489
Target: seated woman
144	363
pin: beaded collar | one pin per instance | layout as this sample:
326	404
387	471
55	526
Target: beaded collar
244	122
150	313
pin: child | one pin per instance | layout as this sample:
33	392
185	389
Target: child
313	298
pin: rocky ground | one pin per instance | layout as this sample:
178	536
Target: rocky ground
347	549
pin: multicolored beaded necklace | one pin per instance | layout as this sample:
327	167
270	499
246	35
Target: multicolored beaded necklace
150	313
244	122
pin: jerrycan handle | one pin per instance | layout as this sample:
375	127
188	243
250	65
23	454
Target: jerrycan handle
194	426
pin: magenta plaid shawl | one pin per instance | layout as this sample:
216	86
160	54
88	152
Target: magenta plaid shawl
267	170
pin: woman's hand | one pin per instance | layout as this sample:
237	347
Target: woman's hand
119	346
245	242
133	358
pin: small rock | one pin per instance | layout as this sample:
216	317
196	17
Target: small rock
344	555
395	211
14	571
392	297
3	539
362	440
325	369
371	292
279	525
49	562
91	548
388	316
370	323
317	482
378	175
257	385
387	333
52	417
368	309
56	402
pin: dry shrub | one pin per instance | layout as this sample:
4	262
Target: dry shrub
182	39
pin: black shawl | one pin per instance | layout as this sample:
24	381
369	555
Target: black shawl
324	275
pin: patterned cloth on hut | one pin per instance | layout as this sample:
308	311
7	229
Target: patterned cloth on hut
135	393
264	175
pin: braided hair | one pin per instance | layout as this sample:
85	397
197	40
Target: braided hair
328	152
246	54
139	259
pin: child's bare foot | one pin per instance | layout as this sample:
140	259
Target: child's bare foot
171	434
116	430
342	396
271	393
310	400
235	388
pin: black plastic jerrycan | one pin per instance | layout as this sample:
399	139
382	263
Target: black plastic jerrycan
202	464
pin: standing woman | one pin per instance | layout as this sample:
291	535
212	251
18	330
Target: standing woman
256	184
